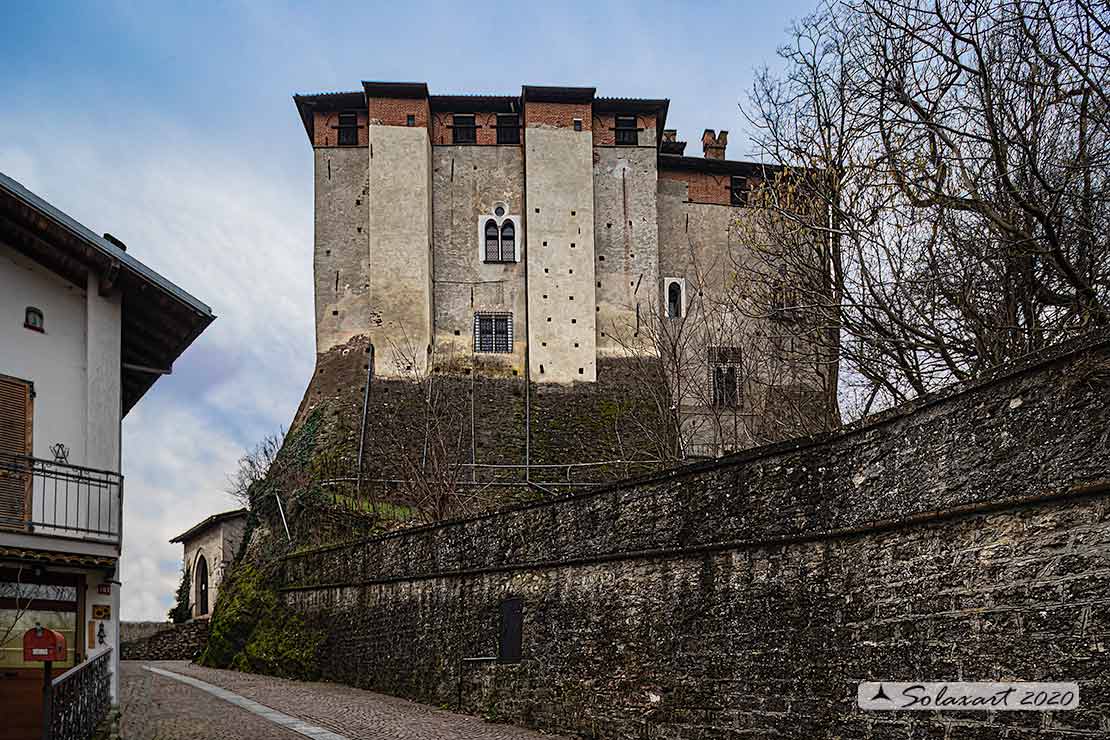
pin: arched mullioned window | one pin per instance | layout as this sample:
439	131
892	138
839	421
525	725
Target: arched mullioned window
674	301
508	242
492	242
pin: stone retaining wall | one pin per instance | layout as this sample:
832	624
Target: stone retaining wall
141	641
965	537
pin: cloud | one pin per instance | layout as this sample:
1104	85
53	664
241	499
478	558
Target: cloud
225	231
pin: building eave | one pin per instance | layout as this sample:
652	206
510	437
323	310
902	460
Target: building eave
211	521
160	319
717	166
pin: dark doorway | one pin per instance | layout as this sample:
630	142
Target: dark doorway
202	586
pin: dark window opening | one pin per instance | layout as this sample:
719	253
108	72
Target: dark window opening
510	637
348	129
202	586
577	124
410	120
33	319
626	133
492	245
508	128
463	129
738	191
674	301
493	332
725	376
508	242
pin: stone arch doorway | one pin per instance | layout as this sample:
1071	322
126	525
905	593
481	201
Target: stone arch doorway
202	586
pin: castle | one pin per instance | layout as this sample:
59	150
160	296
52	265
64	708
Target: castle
532	236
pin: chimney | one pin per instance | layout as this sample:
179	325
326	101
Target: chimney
117	242
713	144
670	143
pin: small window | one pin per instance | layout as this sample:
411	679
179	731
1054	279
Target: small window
738	191
674	300
724	376
510	637
784	302
577	124
508	242
348	129
32	319
493	332
410	120
626	133
508	128
463	129
493	248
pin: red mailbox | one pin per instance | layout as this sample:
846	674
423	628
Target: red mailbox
43	644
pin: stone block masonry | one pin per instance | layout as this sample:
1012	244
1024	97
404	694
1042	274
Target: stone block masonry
964	537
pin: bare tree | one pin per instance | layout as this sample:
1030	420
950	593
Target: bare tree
254	466
959	153
22	605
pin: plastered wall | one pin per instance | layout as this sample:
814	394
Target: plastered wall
626	237
400	248
559	222
467	182
341	263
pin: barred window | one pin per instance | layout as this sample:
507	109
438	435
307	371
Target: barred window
492	245
508	242
493	332
508	128
725	376
463	129
738	191
784	301
626	133
348	129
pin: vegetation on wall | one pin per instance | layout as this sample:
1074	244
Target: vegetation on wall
252	632
181	612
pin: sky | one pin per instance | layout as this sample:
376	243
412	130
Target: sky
172	127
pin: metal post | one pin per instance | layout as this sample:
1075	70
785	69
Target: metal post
47	700
365	406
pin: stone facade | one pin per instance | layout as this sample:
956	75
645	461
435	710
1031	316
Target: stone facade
963	537
210	547
605	218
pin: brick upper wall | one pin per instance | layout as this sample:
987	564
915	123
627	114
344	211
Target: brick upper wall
325	130
604	123
703	187
485	120
559	115
395	111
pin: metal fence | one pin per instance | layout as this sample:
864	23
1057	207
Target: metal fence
78	700
58	498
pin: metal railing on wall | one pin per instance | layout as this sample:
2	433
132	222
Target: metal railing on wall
49	497
76	701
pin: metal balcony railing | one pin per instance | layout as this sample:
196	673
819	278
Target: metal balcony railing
78	699
54	498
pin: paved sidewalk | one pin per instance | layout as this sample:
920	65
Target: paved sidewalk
158	707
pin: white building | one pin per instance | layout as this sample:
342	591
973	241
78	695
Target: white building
210	547
85	331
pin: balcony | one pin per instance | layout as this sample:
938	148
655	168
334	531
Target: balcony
50	499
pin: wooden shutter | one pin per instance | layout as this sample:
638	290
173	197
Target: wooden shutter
16	406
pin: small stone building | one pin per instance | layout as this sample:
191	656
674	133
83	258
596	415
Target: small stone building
209	547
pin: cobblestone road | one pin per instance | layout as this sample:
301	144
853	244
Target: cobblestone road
159	708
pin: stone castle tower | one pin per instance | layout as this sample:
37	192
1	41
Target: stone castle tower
524	235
